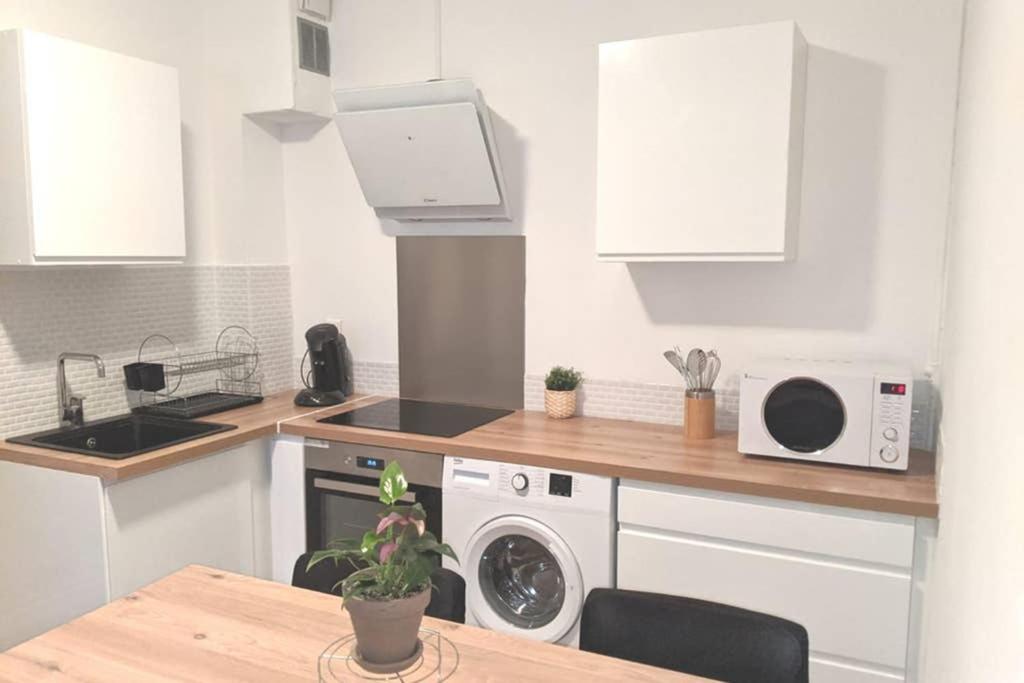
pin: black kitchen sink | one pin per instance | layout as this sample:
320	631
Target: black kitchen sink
122	437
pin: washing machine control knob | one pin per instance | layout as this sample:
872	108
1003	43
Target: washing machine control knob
520	482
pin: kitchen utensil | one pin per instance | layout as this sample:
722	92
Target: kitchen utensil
714	365
695	362
676	361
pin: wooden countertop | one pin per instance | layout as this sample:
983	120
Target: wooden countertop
656	453
616	448
201	624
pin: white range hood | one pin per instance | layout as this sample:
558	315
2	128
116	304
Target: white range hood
424	151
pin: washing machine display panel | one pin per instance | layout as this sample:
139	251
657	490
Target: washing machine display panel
560	485
522	581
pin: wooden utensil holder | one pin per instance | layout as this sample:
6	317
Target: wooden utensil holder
699	415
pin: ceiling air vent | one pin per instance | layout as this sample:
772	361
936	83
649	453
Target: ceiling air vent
314	47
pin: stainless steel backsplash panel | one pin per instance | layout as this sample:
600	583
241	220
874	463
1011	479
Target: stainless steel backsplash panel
461	319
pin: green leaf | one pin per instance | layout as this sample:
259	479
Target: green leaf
563	379
358	582
321	555
392	484
427	543
345	544
369	543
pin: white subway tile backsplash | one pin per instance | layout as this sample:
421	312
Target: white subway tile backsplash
109	311
663	404
623	400
372	377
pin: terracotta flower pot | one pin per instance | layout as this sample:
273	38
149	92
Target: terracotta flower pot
560	404
388	631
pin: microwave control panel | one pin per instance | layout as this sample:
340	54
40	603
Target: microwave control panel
890	428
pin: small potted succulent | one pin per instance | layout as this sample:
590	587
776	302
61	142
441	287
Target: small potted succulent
390	588
560	391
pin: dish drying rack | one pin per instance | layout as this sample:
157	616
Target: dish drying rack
235	357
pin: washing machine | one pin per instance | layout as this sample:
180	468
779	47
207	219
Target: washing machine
532	542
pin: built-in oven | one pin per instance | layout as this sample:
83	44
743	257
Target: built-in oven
342	488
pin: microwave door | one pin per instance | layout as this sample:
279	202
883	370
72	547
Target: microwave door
804	415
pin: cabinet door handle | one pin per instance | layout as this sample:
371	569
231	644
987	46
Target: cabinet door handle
358	489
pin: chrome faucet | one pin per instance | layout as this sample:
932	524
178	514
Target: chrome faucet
69	406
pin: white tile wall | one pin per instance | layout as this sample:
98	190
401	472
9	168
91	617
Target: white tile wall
663	403
370	377
657	403
109	311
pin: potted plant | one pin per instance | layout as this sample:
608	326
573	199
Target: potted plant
390	588
560	391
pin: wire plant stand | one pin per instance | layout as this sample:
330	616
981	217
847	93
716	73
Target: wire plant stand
438	660
235	357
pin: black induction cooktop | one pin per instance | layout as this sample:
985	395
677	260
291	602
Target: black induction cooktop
418	417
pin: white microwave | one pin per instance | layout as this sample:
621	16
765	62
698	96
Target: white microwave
844	413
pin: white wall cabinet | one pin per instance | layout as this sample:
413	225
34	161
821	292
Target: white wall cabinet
844	575
700	140
71	544
90	144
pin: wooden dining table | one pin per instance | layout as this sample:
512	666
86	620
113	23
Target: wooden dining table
203	624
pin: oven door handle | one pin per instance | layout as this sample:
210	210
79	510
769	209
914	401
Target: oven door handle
358	489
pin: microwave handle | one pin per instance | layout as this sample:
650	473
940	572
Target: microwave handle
358	489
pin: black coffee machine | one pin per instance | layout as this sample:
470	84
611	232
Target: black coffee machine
328	368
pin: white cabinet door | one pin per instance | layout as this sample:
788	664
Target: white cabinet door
700	145
844	575
52	568
858	613
200	512
100	178
287	505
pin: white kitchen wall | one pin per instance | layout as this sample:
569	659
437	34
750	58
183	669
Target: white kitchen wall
234	202
110	311
974	614
879	134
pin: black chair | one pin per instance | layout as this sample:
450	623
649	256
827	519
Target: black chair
447	600
694	637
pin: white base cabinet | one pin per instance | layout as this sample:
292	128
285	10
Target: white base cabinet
53	567
287	505
845	575
71	545
212	511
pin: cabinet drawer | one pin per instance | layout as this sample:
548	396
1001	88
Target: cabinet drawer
853	534
848	611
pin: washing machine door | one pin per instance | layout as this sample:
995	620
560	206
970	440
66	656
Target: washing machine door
523	579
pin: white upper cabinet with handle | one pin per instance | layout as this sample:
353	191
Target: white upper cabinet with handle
700	144
90	146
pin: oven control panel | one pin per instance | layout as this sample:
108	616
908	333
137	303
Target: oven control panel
890	422
370	463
